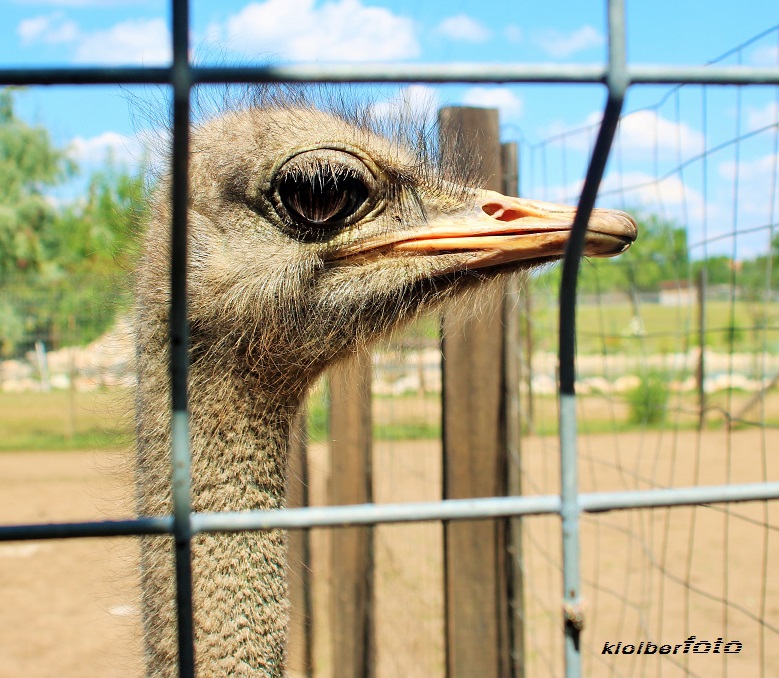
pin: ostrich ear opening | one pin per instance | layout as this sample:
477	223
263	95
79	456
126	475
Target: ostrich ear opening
496	229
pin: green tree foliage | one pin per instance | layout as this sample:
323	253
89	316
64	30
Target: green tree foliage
29	164
90	253
756	277
64	271
659	254
98	234
719	270
662	255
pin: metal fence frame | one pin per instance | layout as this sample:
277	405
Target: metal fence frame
617	76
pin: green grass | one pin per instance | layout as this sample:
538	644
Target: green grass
42	440
668	329
411	429
318	419
51	421
407	431
103	419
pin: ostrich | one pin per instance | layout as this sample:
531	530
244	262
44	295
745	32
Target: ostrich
310	233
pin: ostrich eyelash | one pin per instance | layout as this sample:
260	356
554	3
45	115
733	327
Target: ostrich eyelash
320	191
327	195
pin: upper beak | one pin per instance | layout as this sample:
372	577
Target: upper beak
497	229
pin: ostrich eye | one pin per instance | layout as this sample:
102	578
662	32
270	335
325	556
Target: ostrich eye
319	192
323	197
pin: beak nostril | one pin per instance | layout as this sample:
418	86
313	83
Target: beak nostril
501	212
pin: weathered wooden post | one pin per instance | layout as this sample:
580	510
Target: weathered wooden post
299	557
513	376
477	606
352	547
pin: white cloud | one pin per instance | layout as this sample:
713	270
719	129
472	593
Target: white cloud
513	33
750	171
766	55
84	3
637	189
505	100
646	130
757	118
464	28
51	29
412	101
303	30
94	150
135	41
640	133
642	189
756	180
560	44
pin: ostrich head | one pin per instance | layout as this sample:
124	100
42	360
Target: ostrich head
311	232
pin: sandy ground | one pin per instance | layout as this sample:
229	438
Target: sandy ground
69	608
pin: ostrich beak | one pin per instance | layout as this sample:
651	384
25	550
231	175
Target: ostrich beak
497	229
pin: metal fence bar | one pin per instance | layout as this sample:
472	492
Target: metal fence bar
617	83
364	514
472	509
179	340
105	528
498	73
640	74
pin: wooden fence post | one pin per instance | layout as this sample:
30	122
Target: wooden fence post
352	547
299	648
512	378
477	609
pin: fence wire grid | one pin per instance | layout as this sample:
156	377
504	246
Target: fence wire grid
638	480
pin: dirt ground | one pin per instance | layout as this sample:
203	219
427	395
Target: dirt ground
70	608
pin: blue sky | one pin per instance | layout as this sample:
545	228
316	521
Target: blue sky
738	179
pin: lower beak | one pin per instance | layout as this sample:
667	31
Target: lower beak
496	229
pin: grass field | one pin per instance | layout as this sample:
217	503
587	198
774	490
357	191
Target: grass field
104	419
60	420
740	327
668	328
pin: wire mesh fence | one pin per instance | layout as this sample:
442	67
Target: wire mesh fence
654	590
691	363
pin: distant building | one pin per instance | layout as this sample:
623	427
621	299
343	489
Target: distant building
677	293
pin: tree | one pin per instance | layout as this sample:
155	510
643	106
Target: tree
90	252
29	164
64	271
719	269
98	234
756	277
659	255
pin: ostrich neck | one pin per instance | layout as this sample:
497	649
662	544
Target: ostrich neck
239	455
